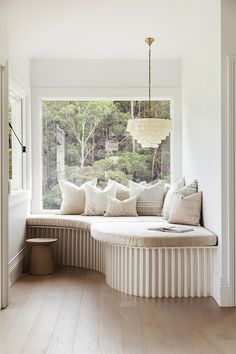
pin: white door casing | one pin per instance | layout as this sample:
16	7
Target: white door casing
4	185
231	94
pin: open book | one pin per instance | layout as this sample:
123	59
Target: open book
175	229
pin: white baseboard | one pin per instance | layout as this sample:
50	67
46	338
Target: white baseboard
16	266
221	291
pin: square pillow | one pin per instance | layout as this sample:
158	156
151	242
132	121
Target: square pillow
96	199
186	209
122	192
73	197
169	196
149	198
117	207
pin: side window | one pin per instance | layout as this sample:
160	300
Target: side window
15	149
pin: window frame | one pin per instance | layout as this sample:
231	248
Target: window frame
16	90
102	94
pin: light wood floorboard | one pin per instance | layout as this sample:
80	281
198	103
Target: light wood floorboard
74	311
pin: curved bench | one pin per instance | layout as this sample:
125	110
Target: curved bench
134	260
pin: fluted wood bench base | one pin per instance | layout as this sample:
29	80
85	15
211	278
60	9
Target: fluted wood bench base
141	271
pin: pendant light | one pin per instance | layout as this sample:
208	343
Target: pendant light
149	131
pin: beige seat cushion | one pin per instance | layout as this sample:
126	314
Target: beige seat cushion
138	235
127	231
81	221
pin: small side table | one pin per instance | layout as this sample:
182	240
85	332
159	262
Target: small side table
41	258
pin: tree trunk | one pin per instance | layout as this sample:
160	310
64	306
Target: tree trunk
93	147
82	147
153	162
133	146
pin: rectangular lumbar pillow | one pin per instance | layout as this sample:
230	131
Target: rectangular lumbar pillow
73	197
169	196
122	192
186	209
149	198
117	207
96	199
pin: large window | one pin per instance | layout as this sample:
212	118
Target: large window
87	139
15	149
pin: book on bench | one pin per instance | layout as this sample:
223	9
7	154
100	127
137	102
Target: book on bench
175	229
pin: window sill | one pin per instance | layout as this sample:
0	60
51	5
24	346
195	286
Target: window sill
18	197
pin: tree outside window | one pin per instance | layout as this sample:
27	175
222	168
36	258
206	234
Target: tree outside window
87	139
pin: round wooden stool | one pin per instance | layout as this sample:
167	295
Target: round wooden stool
41	258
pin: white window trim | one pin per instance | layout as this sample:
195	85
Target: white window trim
22	194
99	94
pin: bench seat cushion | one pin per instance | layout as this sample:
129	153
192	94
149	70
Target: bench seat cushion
127	231
138	235
81	221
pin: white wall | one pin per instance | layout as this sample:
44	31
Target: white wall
104	73
19	73
3	31
201	120
228	48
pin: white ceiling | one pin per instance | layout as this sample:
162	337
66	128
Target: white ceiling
103	29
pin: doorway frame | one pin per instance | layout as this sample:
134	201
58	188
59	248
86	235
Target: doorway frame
4	264
231	113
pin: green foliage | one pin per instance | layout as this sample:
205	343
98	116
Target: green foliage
52	199
136	165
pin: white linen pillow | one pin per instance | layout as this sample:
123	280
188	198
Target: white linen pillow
96	199
186	209
166	188
122	192
169	196
73	197
117	207
149	198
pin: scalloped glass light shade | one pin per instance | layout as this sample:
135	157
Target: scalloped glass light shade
149	132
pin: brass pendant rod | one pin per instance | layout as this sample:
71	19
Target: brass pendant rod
149	81
149	41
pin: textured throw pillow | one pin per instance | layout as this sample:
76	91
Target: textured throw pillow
73	197
149	198
96	199
186	209
169	196
189	189
122	192
117	207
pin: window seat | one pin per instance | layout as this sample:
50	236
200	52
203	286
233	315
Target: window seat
82	221
135	260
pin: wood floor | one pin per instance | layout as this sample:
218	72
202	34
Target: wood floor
74	311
